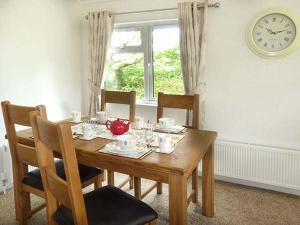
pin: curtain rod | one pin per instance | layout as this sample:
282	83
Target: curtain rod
201	5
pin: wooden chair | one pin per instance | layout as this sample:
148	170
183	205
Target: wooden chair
106	205
26	183
119	97
188	102
125	98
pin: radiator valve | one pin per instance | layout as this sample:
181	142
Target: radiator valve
3	181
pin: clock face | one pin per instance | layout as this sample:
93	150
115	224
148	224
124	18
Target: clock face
274	32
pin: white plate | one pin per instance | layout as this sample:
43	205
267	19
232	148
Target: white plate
173	129
114	148
87	139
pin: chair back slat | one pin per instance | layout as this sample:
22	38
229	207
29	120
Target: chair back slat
49	138
176	101
27	155
48	135
19	115
119	97
188	102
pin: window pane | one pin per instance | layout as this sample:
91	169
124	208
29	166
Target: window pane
126	73
167	66
123	38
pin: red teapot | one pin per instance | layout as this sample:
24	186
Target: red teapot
118	126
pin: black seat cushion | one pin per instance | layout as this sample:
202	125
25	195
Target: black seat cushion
34	178
110	206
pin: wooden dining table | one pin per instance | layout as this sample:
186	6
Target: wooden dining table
173	169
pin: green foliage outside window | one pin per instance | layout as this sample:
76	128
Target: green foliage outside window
127	75
167	72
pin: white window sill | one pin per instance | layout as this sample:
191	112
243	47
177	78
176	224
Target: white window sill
146	103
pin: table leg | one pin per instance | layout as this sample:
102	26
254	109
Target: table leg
137	187
159	188
208	183
110	177
177	200
195	185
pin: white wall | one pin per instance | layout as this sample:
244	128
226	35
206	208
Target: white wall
249	99
39	55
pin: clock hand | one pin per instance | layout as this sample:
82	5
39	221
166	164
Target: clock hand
280	31
270	31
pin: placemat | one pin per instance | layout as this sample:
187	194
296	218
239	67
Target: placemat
139	155
99	131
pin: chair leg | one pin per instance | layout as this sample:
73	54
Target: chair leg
151	223
22	198
98	182
159	188
23	206
104	175
16	199
195	185
110	177
131	181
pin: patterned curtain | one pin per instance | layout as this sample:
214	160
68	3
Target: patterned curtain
193	26
100	32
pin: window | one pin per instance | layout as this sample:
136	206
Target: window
145	59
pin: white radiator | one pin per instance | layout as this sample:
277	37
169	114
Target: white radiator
270	166
6	178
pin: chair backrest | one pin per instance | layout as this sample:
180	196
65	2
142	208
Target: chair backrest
53	138
189	102
21	154
119	97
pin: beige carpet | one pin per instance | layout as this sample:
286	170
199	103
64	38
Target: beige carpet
234	205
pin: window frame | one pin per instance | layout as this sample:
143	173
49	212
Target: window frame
146	48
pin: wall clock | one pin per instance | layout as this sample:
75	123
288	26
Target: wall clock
274	32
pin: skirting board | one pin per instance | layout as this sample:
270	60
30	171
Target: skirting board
255	184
